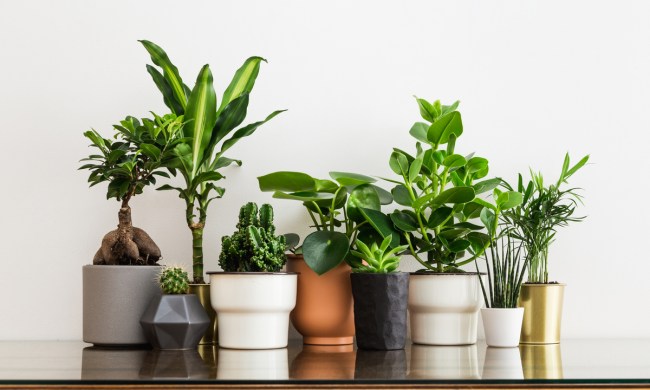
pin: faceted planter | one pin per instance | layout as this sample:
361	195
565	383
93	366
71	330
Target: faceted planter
380	303
175	322
114	299
502	326
444	308
542	305
324	311
253	308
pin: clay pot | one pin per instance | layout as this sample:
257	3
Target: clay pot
324	309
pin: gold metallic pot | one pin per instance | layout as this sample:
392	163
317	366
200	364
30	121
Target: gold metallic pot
541	361
542	305
203	292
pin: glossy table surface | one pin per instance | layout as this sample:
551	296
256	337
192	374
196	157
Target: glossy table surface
595	363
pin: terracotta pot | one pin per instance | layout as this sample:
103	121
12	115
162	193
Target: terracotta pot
324	309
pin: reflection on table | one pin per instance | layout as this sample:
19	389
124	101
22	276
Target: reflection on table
542	361
270	364
444	362
502	363
324	362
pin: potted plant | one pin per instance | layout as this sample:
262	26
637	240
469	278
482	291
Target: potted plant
380	296
505	262
544	209
252	297
175	320
121	282
438	189
206	129
324	308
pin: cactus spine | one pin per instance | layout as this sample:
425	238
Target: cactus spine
254	247
174	280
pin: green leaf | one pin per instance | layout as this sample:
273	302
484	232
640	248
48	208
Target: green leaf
399	164
488	219
476	164
323	250
232	116
438	216
150	151
351	179
305	196
459	245
486	185
206	176
404	221
287	181
382	224
170	72
362	196
242	82
472	210
246	131
439	132
200	116
222	162
454	161
401	195
414	168
479	241
384	196
427	112
467	225
166	90
455	195
447	109
575	168
419	131
509	199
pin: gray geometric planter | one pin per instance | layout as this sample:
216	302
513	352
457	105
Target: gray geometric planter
114	298
380	302
175	321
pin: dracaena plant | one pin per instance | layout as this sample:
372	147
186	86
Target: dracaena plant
334	208
128	163
438	188
379	259
544	209
208	131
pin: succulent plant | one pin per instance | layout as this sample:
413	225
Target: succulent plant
254	247
174	280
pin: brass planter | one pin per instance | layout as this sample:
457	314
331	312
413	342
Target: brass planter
203	292
541	361
542	305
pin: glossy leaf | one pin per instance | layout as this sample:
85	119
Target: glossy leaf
403	221
414	168
427	111
455	195
476	164
231	117
459	245
454	161
246	131
351	179
385	197
486	185
438	216
401	195
166	90
200	116
170	72
419	131
399	164
323	250
439	132
363	196
509	199
242	82
305	196
286	181
382	223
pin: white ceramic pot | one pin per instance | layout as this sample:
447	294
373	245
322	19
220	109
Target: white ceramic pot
502	326
444	308
502	363
253	308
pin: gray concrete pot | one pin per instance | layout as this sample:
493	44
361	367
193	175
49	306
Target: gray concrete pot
175	321
114	299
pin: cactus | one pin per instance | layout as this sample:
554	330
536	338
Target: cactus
254	247
174	280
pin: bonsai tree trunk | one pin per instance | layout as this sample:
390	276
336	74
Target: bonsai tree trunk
127	245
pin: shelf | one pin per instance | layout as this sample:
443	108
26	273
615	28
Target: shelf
573	363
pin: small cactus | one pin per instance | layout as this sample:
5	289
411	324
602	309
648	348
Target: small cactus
174	280
254	247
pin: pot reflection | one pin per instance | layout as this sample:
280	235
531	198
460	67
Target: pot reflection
99	363
324	362
252	364
444	362
174	364
502	363
209	354
542	361
380	364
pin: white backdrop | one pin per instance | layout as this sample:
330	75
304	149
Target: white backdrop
536	79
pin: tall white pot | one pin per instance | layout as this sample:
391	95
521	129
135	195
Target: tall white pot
444	308
253	308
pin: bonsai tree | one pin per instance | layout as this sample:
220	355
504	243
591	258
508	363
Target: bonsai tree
254	247
129	162
438	189
543	210
174	281
334	208
206	126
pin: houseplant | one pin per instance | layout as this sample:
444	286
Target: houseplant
324	309
505	262
251	297
124	267
438	189
175	320
380	296
206	132
544	209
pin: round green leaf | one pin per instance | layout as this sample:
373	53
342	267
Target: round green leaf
455	195
401	195
403	221
362	196
324	250
439	216
286	182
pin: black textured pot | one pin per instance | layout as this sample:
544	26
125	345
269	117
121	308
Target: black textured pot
380	302
175	321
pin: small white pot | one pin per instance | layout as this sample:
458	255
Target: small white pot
253	308
502	326
444	308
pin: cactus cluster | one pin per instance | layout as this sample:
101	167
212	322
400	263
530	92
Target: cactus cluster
174	280
254	247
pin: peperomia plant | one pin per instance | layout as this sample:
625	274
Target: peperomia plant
378	258
206	125
543	210
254	247
438	189
334	208
129	162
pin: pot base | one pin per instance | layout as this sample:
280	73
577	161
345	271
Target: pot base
328	340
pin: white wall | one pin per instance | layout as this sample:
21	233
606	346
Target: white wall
536	79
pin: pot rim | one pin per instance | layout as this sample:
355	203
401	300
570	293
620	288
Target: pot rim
110	266
380	273
502	308
432	273
252	273
542	284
